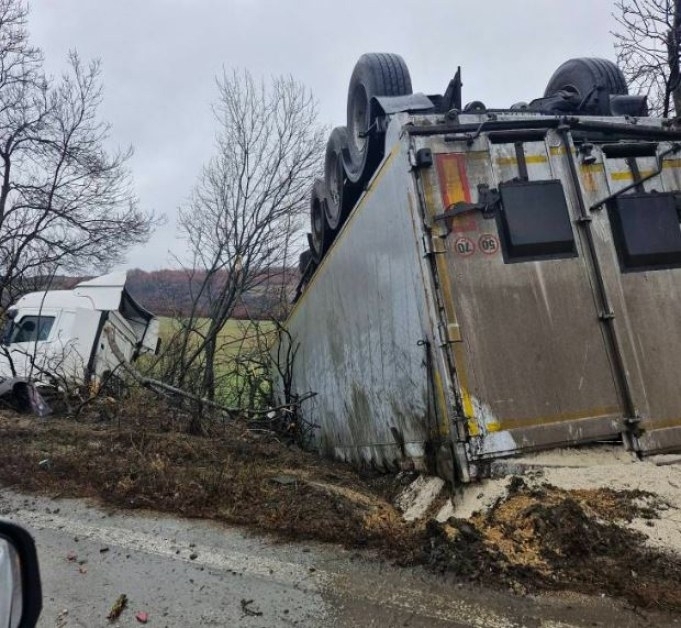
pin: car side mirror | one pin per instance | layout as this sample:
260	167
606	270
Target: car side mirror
20	590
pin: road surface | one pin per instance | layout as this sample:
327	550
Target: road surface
197	573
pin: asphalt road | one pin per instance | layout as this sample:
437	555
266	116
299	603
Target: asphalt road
196	573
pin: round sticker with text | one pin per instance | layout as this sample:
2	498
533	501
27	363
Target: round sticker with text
464	246
488	244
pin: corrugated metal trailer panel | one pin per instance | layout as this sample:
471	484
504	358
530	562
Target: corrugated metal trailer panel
362	327
563	348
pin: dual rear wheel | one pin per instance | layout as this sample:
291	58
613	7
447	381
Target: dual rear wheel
353	152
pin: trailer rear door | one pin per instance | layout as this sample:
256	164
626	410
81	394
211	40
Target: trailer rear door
639	243
533	365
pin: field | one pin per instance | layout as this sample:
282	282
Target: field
230	336
242	345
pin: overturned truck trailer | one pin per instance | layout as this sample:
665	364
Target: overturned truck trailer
506	281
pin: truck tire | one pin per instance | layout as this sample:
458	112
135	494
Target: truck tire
19	399
304	260
320	233
342	193
586	76
375	74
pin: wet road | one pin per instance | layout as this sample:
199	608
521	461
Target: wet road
195	573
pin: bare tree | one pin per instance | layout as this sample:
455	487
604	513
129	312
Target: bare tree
65	200
648	49
246	208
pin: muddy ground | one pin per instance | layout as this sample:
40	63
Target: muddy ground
535	537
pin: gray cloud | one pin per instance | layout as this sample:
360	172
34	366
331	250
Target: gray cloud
160	58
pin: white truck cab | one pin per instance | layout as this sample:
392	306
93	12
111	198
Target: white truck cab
67	334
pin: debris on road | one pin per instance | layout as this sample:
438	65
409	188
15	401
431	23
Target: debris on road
71	556
119	606
142	617
284	480
248	611
546	537
62	618
417	498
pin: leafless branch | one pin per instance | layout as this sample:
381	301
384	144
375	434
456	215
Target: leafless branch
647	41
65	199
246	209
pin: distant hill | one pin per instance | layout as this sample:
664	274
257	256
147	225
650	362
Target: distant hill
169	292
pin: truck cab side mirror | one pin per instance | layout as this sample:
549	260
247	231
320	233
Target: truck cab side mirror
9	326
20	589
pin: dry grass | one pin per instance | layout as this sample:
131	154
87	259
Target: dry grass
237	476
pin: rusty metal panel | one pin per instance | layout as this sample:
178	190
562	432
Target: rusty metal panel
363	330
532	365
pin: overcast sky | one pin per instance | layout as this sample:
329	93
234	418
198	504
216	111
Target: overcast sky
160	58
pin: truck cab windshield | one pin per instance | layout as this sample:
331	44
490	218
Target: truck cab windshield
29	329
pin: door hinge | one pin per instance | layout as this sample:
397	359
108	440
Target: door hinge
449	333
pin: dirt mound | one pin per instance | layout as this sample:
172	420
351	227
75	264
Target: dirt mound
549	538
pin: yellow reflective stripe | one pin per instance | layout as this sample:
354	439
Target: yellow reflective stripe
530	159
625	175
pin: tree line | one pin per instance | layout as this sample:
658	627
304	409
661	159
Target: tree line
164	292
